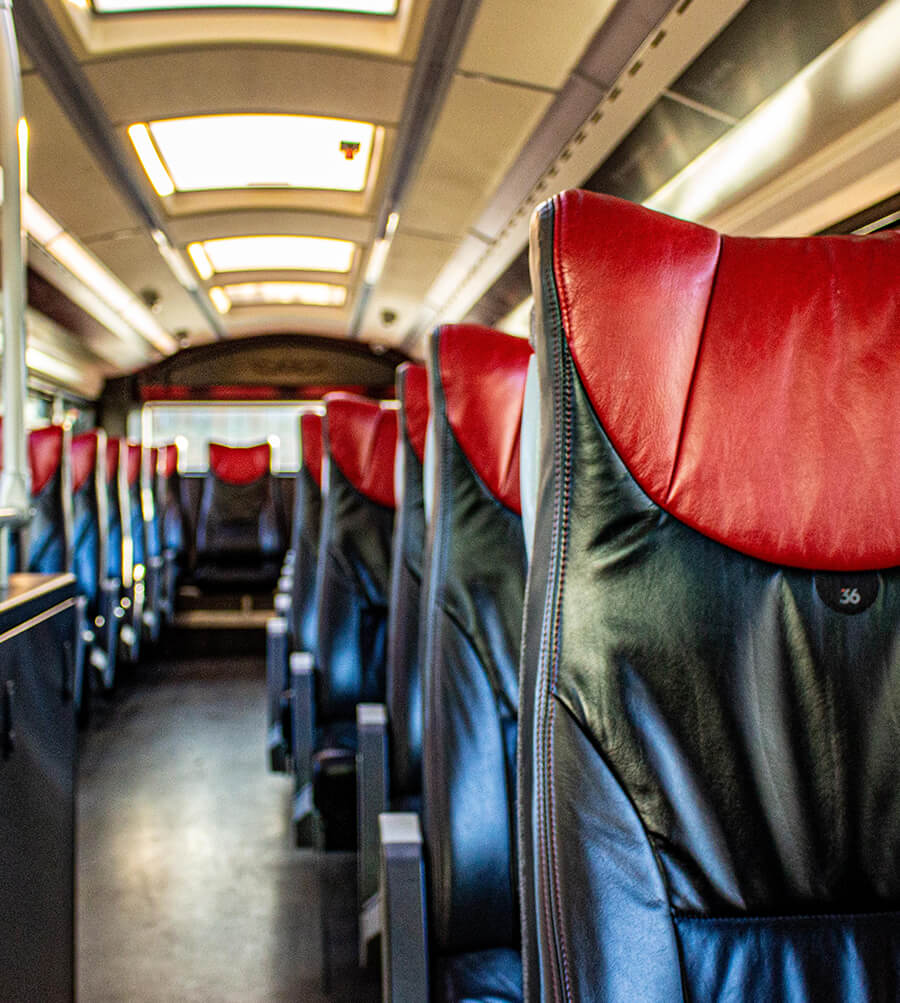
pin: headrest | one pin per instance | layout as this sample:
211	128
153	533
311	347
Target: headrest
311	444
361	437
412	390
112	459
132	462
168	460
482	378
45	448
84	458
749	385
239	464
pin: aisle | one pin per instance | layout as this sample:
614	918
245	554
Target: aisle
188	888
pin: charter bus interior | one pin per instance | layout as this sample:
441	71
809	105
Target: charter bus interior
450	522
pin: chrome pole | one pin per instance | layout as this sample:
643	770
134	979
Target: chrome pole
14	481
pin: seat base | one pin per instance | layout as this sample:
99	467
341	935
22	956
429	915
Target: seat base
492	976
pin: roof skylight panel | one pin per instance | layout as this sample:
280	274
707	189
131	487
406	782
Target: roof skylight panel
212	152
286	293
239	254
382	7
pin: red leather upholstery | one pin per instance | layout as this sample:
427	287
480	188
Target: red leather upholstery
84	459
362	440
168	460
45	455
311	443
112	459
239	464
415	406
133	462
483	374
749	399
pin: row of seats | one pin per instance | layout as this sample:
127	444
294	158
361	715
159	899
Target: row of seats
640	667
106	511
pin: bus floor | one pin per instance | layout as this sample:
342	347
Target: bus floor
188	886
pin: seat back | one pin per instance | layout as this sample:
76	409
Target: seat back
114	456
168	495
360	437
472	618
133	467
713	632
150	502
305	529
89	518
240	525
404	684
49	533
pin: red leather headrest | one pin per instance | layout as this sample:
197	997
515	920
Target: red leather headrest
482	374
750	385
362	439
112	459
84	459
168	460
311	444
45	447
133	462
412	386
239	464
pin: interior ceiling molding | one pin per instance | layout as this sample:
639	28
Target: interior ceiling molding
51	55
105	34
667	50
447	27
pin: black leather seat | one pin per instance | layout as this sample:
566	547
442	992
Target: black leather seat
240	526
713	631
172	524
472	616
404	682
305	529
360	439
113	510
49	534
88	536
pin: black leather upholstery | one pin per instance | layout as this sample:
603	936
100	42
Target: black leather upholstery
404	684
712	809
88	543
240	533
354	568
472	610
352	582
305	531
113	511
48	533
171	512
493	976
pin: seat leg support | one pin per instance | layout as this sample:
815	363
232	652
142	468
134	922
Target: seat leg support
404	934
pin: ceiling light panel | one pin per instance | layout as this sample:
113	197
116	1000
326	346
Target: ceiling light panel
239	254
214	152
286	293
341	6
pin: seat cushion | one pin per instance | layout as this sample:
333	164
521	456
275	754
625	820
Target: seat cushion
493	976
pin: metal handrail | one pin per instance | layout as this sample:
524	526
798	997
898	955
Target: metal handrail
14	480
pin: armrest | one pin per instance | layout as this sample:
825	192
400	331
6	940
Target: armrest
303	725
276	683
404	934
372	794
